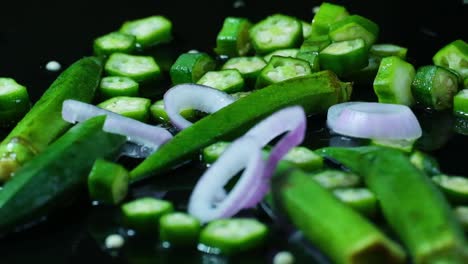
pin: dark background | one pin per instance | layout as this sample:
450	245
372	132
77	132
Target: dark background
35	32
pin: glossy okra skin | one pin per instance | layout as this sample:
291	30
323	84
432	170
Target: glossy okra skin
190	67
233	39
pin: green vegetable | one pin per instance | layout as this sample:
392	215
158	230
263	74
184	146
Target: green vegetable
143	214
234	235
455	188
405	145
306	29
276	32
139	68
312	58
344	57
133	107
149	31
229	81
282	53
425	162
437	237
360	199
304	159
233	39
460	103
108	182
113	86
454	55
461	213
211	153
315	93
14	101
393	81
114	42
315	43
435	87
337	230
28	137
386	50
280	69
327	15
190	67
179	229
249	67
51	179
354	27
365	76
334	179
159	113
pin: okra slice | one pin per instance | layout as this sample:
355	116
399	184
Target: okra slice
327	14
113	86
354	27
139	68
108	182
276	32
14	101
461	213
434	87
114	42
386	49
304	158
159	113
392	84
315	43
249	67
344	57
229	81
366	75
306	29
280	69
179	229
312	58
190	67
282	53
460	103
133	107
425	162
360	199
454	187
400	144
234	235
333	179
454	56
211	153
149	31
233	40
143	214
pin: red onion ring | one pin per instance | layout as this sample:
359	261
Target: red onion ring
193	96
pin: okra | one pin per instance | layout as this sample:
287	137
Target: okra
14	101
312	58
229	81
143	214
386	50
455	188
233	40
437	236
249	67
405	145
149	31
28	137
133	107
190	67
338	231
460	103
327	14
392	84
159	113
461	213
114	42
365	76
139	68
315	43
108	182
425	162
113	86
280	69
435	87
179	229
344	57
360	199
454	55
282	53
354	27
306	29
315	93
56	175
334	179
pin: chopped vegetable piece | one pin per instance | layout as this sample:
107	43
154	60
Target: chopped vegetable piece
333	179
27	138
327	15
344	57
461	212
159	113
179	229
190	67
14	101
435	87
149	31
354	27
337	230
304	158
114	241
282	53
315	44
460	103
39	187
365	76
280	69
454	55
393	81
312	58
306	29
360	199
405	145
133	107
211	153
249	67
114	42
143	214
229	81
233	39
283	257
316	93
425	162
108	182
454	187
231	236
276	32
113	86
386	50
139	68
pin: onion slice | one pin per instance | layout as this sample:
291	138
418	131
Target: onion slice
144	135
374	121
193	96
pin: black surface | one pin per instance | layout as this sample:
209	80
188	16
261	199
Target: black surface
34	32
